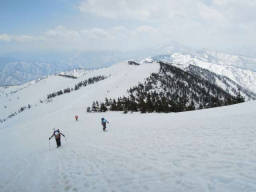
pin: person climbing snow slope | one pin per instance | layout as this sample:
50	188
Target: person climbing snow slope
104	122
57	134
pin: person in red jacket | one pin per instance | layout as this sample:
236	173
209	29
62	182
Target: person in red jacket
76	117
57	134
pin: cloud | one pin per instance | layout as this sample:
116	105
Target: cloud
5	37
140	24
162	10
63	33
64	38
118	9
214	15
146	29
148	10
15	38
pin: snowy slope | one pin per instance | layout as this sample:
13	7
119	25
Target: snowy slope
206	150
221	81
233	67
221	58
120	78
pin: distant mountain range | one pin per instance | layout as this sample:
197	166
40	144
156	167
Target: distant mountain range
231	73
23	68
20	69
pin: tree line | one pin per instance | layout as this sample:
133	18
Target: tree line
84	83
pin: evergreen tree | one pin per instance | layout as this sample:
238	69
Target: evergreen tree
94	108
240	98
103	108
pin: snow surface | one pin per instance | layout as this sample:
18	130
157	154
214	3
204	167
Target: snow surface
206	150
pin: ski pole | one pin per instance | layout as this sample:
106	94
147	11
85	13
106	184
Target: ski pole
49	145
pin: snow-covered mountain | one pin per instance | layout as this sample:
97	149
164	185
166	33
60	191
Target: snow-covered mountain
233	67
221	81
199	87
198	151
173	89
225	59
228	76
215	57
120	77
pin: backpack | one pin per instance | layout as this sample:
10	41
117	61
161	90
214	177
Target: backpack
57	134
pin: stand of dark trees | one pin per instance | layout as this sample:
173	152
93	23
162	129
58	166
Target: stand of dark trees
84	83
57	93
16	113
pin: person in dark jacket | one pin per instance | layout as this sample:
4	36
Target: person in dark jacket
104	122
57	134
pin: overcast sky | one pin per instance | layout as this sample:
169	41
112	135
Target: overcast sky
88	25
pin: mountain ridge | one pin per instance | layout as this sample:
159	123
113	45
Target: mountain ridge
13	100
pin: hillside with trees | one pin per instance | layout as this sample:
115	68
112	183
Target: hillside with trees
170	90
